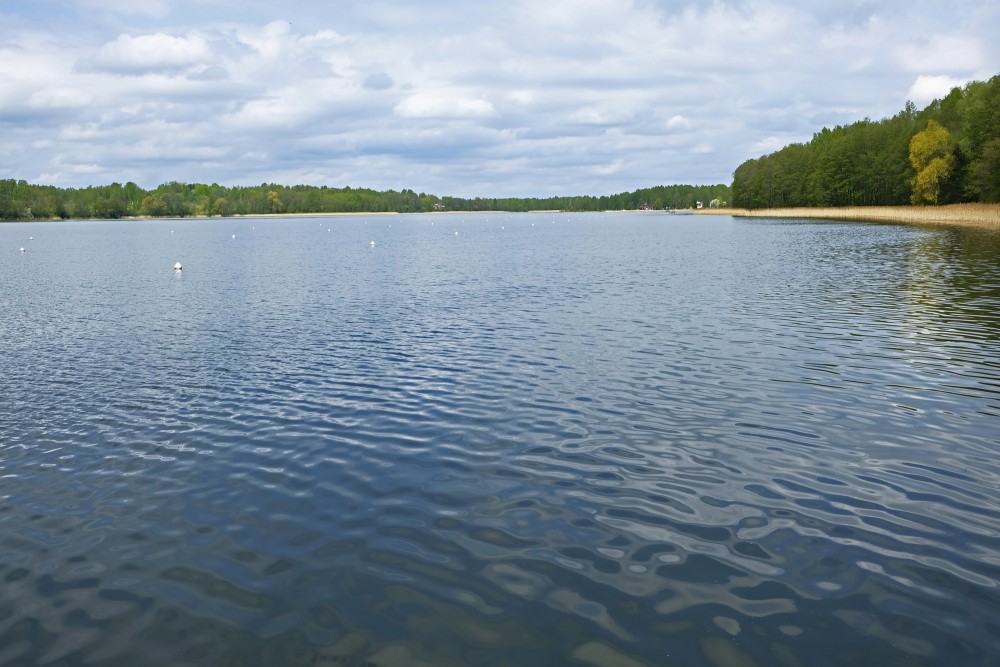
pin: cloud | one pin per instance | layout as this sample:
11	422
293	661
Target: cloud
678	123
150	53
498	98
942	54
59	98
605	114
928	88
378	81
443	105
609	169
768	144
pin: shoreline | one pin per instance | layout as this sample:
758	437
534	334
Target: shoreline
982	216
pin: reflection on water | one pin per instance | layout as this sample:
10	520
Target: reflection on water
606	440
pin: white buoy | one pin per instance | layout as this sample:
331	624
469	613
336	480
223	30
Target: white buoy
22	249
178	267
456	233
372	244
234	236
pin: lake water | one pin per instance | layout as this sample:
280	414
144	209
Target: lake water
505	440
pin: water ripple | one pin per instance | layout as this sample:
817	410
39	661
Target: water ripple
605	440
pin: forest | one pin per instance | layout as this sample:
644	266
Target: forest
947	153
20	200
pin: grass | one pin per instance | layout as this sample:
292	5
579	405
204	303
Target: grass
986	216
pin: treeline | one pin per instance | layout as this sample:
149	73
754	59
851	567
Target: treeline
20	200
947	153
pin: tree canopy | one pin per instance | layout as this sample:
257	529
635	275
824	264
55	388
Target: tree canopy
932	154
947	153
20	200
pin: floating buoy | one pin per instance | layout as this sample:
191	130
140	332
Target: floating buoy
234	236
456	233
178	267
372	244
22	249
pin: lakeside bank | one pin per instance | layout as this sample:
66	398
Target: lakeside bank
984	216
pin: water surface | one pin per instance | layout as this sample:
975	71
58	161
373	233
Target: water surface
547	439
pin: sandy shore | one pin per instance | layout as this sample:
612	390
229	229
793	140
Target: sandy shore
986	216
330	214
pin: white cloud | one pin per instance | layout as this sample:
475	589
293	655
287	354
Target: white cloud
622	110
59	98
270	40
497	98
151	53
928	88
942	54
679	123
279	110
443	105
768	144
609	169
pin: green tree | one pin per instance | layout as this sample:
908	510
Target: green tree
932	154
274	202
153	205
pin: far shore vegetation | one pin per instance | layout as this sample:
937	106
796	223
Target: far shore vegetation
940	164
20	200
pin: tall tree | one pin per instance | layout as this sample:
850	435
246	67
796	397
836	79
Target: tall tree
932	154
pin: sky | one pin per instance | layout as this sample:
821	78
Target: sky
501	98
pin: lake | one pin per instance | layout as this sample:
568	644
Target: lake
615	439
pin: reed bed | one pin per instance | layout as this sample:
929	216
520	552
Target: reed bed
986	216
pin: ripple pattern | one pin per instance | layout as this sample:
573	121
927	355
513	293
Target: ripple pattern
602	439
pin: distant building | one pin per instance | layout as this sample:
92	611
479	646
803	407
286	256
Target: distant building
645	207
438	207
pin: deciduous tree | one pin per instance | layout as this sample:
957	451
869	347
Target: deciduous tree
932	154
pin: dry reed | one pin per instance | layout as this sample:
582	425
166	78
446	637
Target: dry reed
986	216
